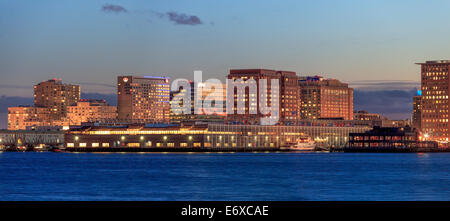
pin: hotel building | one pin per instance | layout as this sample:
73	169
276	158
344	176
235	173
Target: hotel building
435	100
210	93
56	96
19	118
88	110
143	99
28	118
288	96
325	98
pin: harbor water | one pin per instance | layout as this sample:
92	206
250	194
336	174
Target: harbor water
226	176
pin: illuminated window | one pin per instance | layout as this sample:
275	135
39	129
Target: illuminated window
95	144
70	145
170	144
105	144
183	144
82	144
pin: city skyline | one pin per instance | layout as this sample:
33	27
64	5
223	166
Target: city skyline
224	108
139	100
112	99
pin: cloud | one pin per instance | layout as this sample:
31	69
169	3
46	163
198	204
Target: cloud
183	19
114	8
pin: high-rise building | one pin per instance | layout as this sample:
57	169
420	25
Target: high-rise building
288	96
143	99
435	100
88	110
57	96
325	98
417	110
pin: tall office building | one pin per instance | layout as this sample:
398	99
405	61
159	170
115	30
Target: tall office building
288	96
417	110
143	99
435	101
325	98
89	110
57	96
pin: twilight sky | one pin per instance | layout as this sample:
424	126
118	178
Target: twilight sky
368	43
